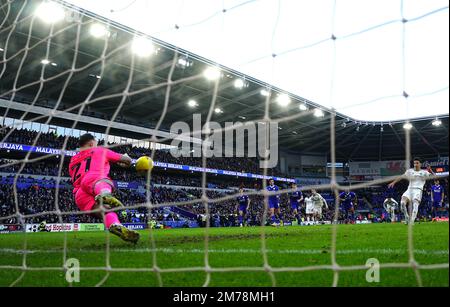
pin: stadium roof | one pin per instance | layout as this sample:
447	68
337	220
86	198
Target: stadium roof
288	44
300	131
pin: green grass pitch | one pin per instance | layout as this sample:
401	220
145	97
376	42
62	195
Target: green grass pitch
232	247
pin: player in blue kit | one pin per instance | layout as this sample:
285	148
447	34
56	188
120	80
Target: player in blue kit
273	200
437	197
243	206
348	202
390	193
295	198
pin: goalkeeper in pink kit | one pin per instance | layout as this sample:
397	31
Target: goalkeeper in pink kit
89	170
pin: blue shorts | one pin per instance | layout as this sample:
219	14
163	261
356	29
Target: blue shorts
243	208
294	206
347	207
273	205
437	203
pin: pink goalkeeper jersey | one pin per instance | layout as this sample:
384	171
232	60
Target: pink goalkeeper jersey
94	162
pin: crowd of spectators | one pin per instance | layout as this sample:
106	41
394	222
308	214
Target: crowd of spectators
50	168
224	212
47	167
29	137
37	196
52	140
33	201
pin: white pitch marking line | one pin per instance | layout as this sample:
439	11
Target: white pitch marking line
233	251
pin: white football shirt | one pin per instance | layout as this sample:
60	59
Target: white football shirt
390	203
417	179
318	200
309	202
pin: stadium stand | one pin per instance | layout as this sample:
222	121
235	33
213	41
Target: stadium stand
37	195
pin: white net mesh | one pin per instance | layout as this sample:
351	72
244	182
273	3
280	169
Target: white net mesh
18	20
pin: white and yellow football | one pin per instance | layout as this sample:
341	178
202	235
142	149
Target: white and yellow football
144	164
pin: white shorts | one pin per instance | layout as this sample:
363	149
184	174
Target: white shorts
309	209
318	210
413	194
390	208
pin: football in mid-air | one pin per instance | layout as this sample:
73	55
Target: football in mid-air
144	164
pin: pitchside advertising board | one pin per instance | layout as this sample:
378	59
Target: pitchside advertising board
10	228
53	227
139	226
69	227
91	227
393	167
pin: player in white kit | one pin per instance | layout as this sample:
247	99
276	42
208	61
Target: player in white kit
309	208
319	203
390	205
413	195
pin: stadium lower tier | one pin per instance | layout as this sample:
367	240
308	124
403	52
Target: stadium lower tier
38	199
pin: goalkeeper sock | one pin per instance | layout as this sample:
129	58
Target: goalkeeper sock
111	218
